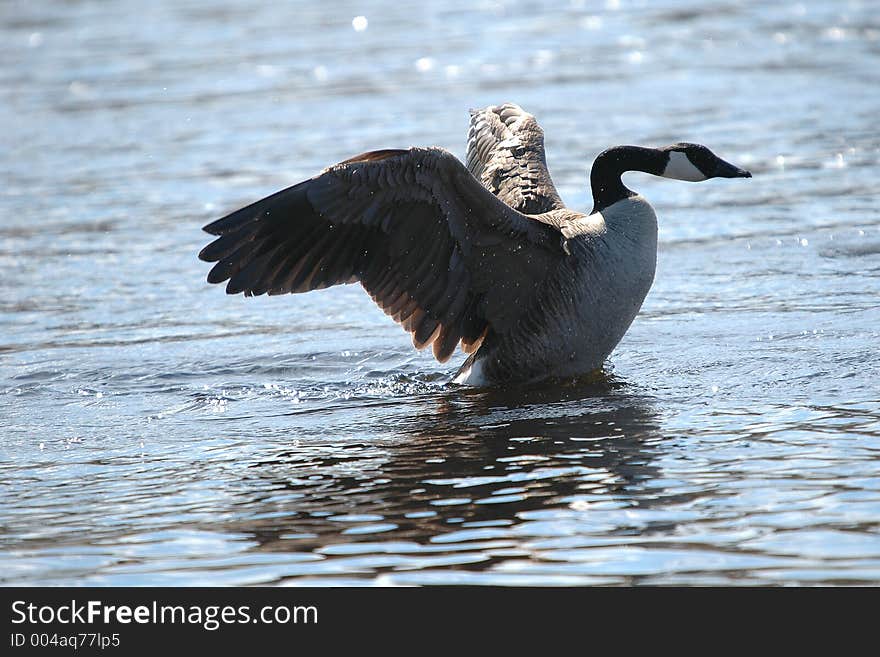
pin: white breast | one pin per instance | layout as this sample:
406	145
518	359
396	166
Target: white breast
619	269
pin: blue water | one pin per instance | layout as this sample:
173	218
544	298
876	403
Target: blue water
156	431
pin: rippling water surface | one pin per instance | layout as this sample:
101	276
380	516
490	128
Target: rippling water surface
156	431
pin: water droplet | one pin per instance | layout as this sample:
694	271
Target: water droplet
543	57
424	64
78	88
838	162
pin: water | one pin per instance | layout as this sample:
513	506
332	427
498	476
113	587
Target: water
159	432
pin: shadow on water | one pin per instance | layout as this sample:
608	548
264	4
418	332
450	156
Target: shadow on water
467	459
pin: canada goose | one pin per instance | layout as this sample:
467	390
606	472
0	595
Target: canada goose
485	255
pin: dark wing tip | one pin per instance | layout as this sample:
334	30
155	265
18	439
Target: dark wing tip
214	251
218	226
219	273
235	220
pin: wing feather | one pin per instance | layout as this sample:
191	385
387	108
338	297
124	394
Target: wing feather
433	248
506	154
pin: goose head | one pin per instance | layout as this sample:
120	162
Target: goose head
682	161
695	162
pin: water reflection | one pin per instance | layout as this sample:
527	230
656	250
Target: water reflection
475	459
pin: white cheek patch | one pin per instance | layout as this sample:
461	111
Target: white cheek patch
681	168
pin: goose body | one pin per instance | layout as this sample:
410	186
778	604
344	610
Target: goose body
586	308
485	256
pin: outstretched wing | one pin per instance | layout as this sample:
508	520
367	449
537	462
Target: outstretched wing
506	154
433	248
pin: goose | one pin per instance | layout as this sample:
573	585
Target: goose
482	255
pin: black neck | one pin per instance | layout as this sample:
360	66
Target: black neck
613	163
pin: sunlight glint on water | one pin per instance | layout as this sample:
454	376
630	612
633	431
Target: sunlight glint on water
159	432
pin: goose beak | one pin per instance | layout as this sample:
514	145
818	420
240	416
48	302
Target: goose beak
727	170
